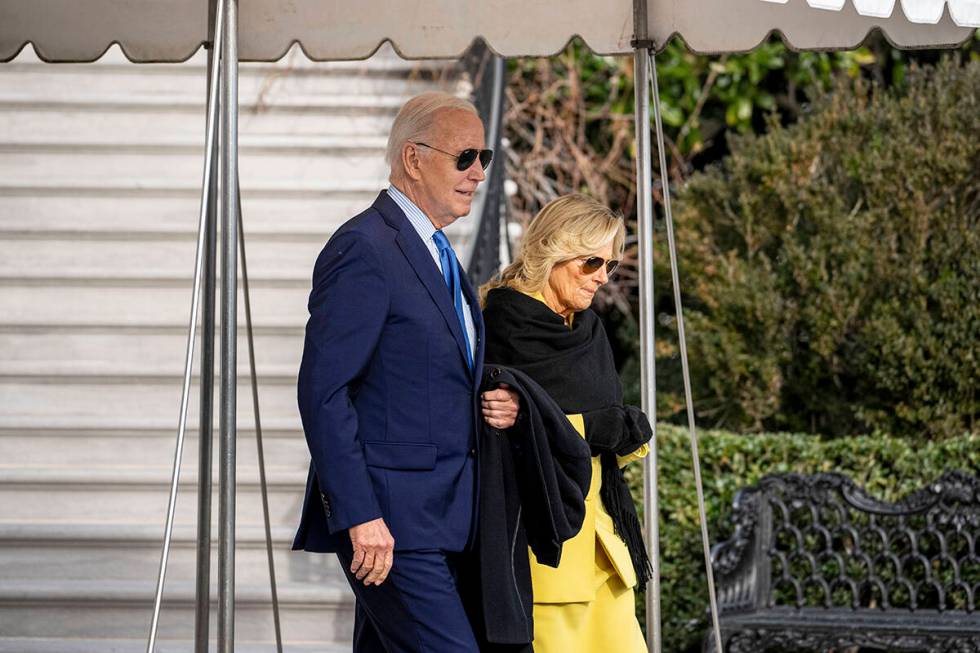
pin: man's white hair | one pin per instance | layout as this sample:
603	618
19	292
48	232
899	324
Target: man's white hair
416	122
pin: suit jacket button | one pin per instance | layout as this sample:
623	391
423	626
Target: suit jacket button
494	373
473	452
326	504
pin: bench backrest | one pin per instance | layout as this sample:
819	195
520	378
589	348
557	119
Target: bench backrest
822	542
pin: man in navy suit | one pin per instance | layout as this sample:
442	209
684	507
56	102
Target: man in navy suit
388	390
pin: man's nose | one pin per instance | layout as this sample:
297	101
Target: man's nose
476	172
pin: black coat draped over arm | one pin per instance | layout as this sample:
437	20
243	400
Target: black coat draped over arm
533	481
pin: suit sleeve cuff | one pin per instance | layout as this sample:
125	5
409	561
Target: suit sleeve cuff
342	520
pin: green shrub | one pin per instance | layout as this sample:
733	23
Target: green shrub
887	467
832	268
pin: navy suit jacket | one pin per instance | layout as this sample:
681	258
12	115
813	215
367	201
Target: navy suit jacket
388	402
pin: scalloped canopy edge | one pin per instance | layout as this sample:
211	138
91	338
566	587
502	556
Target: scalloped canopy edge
149	31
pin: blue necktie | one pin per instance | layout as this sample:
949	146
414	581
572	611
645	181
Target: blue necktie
450	271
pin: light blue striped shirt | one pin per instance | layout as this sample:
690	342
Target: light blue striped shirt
425	229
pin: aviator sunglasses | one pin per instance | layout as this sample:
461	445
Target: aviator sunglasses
593	263
465	158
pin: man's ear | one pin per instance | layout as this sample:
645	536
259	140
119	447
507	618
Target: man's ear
411	161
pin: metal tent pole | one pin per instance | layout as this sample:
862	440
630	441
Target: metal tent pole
644	221
202	595
206	439
648	388
682	341
206	186
228	212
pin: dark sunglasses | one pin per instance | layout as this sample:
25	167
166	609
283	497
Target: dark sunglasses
465	158
593	263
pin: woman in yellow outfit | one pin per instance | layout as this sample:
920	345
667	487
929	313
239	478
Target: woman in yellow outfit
538	320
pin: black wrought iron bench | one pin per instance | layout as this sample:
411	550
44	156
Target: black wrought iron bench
817	564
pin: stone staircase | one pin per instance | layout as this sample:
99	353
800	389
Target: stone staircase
100	166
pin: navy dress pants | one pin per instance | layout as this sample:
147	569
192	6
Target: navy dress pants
416	610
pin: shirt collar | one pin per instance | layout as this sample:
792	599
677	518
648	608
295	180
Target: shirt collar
422	224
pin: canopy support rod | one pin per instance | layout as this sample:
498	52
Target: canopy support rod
675	278
189	352
228	212
260	449
644	221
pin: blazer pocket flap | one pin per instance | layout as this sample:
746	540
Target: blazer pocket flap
400	455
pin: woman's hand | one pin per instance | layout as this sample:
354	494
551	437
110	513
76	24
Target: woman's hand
500	407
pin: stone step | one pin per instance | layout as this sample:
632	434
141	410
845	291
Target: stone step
91	449
271	83
152	142
120	122
270	381
128	399
171	258
62	493
114	645
310	612
192	100
299	166
83	303
52	424
40	353
82	188
145	330
115	218
131	552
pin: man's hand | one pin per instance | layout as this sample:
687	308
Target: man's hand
373	551
500	407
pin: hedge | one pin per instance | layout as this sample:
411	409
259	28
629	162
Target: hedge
831	269
888	467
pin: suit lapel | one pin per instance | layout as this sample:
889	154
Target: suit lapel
425	268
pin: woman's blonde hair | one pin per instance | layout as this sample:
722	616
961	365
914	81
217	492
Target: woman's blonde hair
566	228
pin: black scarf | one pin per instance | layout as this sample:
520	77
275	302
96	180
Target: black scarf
575	366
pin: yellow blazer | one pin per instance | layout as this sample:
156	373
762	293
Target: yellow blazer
573	581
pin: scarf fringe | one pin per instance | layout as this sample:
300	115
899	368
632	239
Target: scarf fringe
618	501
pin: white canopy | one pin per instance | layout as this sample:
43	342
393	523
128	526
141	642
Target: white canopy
172	30
963	12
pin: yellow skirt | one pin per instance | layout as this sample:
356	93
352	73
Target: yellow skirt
607	623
